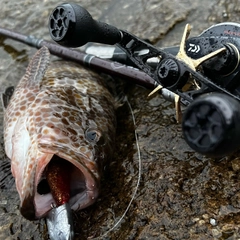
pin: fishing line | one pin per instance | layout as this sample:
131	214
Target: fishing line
139	174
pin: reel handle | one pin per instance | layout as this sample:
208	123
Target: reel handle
71	25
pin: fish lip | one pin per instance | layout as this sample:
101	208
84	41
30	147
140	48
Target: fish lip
27	208
77	201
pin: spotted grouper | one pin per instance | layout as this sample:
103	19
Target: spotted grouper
59	129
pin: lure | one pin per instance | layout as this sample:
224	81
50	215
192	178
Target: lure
58	179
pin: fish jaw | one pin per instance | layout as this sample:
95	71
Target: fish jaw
24	173
27	191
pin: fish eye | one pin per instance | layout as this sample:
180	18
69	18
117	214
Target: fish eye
92	135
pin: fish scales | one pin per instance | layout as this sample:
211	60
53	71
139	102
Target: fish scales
58	111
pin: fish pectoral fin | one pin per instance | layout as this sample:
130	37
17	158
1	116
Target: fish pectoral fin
37	68
6	96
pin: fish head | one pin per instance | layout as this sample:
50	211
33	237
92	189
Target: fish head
83	139
83	142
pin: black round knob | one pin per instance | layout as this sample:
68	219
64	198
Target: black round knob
168	74
72	26
211	125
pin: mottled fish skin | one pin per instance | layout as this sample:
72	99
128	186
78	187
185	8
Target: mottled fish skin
59	110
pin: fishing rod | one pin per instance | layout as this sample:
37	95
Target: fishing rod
113	68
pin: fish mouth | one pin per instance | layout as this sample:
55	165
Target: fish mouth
83	189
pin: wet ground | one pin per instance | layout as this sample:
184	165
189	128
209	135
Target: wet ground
182	195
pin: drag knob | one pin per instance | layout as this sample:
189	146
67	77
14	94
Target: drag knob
72	26
211	125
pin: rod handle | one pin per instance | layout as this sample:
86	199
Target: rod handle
71	25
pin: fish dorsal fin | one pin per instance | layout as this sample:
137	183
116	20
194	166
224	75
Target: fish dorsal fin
6	96
37	67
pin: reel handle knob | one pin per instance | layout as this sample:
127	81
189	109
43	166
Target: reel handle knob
211	125
71	25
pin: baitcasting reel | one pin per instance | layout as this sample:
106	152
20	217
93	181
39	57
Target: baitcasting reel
203	73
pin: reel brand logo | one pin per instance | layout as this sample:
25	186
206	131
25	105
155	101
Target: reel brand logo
194	48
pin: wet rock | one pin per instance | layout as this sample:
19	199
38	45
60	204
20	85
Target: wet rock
226	210
235	200
236	164
213	222
216	233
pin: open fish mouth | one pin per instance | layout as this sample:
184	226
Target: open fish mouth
60	182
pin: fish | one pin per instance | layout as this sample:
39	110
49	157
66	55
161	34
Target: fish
58	113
